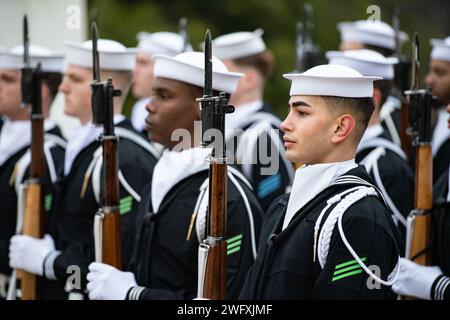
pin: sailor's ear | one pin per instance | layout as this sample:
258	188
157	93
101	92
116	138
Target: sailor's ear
45	91
343	127
377	97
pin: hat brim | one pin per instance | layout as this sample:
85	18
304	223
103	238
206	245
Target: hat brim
171	68
346	87
109	60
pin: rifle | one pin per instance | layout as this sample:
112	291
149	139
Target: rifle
419	220
402	72
182	26
107	218
212	274
34	186
307	54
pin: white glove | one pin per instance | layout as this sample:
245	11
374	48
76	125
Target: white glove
415	280
28	253
107	283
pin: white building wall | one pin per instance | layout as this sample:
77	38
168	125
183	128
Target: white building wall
50	23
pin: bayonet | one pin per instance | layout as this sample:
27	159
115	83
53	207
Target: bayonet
184	34
26	42
396	27
307	54
95	59
415	80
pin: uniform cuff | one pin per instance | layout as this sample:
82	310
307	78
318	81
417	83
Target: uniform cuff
439	287
49	270
134	293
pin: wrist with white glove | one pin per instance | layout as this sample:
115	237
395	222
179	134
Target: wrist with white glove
415	280
107	283
28	253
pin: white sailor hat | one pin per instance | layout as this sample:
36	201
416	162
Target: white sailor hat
441	49
238	45
112	55
168	43
50	62
331	80
189	67
376	33
367	62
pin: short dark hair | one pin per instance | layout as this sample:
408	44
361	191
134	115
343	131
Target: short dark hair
360	108
52	80
384	51
263	62
385	87
197	92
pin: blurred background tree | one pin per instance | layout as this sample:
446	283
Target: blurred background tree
121	20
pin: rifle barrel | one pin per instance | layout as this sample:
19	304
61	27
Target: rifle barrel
208	64
95	59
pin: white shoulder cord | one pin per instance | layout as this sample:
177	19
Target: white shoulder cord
50	142
330	202
97	163
238	174
386	114
201	208
95	167
336	216
22	164
371	164
386	144
127	187
50	162
392	130
55	140
249	212
246	149
96	181
133	137
388	199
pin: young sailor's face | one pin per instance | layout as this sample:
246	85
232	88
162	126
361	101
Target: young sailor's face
438	78
308	129
77	92
10	92
344	46
172	107
143	76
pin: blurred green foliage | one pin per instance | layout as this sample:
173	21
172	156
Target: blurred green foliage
122	19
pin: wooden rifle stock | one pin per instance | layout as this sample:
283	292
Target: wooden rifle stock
111	216
34	202
215	282
423	203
